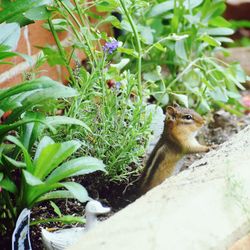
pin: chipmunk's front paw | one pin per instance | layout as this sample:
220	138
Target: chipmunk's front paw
212	147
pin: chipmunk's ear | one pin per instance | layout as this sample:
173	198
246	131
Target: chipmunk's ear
171	112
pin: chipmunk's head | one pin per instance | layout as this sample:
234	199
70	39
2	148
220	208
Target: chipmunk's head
182	123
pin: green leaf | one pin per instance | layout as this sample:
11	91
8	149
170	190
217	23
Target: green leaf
40	83
53	56
56	209
217	31
41	96
111	19
45	141
219	94
66	219
121	64
128	51
31	131
56	153
77	190
31	179
125	25
161	8
8	185
183	99
78	166
224	39
106	6
152	76
9	35
160	47
69	219
220	22
59	194
37	13
180	50
146	34
59	25
63	120
1	176
17	164
210	40
189	5
14	11
27	157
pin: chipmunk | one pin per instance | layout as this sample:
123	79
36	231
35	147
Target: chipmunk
178	138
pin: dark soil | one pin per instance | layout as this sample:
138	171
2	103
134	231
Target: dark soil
118	195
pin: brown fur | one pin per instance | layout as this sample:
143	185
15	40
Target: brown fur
177	139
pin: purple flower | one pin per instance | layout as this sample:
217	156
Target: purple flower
118	85
111	46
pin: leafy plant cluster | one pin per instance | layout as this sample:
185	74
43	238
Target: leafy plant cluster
165	51
178	41
33	167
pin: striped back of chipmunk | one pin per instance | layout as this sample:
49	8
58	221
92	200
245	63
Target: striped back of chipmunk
160	165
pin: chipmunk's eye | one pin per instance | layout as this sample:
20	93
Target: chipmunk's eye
187	117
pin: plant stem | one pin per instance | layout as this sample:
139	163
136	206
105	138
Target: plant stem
61	50
138	46
79	25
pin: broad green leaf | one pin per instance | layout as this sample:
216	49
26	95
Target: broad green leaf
217	31
42	96
78	166
121	64
210	40
9	34
40	83
31	131
59	194
18	164
192	4
161	8
152	76
14	11
26	155
146	34
224	39
106	6
219	94
111	19
31	179
126	26
53	56
180	50
77	190
56	209
8	127
240	23
8	185
128	51
45	141
220	22
1	176
163	98
52	156
37	13
183	99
